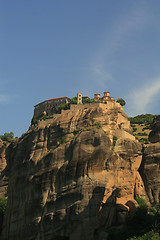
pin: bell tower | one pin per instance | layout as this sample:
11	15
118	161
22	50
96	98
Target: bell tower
79	98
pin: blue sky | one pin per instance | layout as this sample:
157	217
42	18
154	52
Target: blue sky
56	48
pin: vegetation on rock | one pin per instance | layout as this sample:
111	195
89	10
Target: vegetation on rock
114	142
147	119
147	236
63	106
142	203
121	101
88	100
141	125
3	204
8	137
86	128
144	225
73	100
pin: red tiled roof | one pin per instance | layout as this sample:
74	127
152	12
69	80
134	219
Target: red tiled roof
55	98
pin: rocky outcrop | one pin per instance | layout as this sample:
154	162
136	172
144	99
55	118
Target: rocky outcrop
149	168
154	135
150	171
3	178
68	179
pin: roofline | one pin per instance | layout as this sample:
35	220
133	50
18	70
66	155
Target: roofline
56	98
51	100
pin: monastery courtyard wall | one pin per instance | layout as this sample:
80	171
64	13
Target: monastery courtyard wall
107	105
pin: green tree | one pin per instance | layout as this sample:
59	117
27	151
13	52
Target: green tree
121	101
63	106
7	137
73	100
88	100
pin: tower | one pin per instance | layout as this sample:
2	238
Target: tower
79	98
106	94
96	96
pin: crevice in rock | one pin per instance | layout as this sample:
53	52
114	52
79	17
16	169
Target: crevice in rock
141	172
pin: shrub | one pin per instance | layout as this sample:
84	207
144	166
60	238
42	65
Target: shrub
142	134
121	101
88	100
147	236
43	118
8	137
75	132
134	129
98	125
142	203
114	142
63	106
144	140
63	140
147	127
3	204
73	100
153	211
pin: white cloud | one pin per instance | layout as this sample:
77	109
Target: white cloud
141	100
4	98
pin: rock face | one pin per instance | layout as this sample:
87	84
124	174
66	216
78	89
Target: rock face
68	179
150	171
154	135
3	178
150	167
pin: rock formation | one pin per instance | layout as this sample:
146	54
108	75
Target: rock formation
150	167
68	179
3	178
155	133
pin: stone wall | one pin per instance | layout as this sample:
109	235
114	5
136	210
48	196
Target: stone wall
48	107
108	105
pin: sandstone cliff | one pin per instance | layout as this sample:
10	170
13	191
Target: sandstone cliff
68	179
